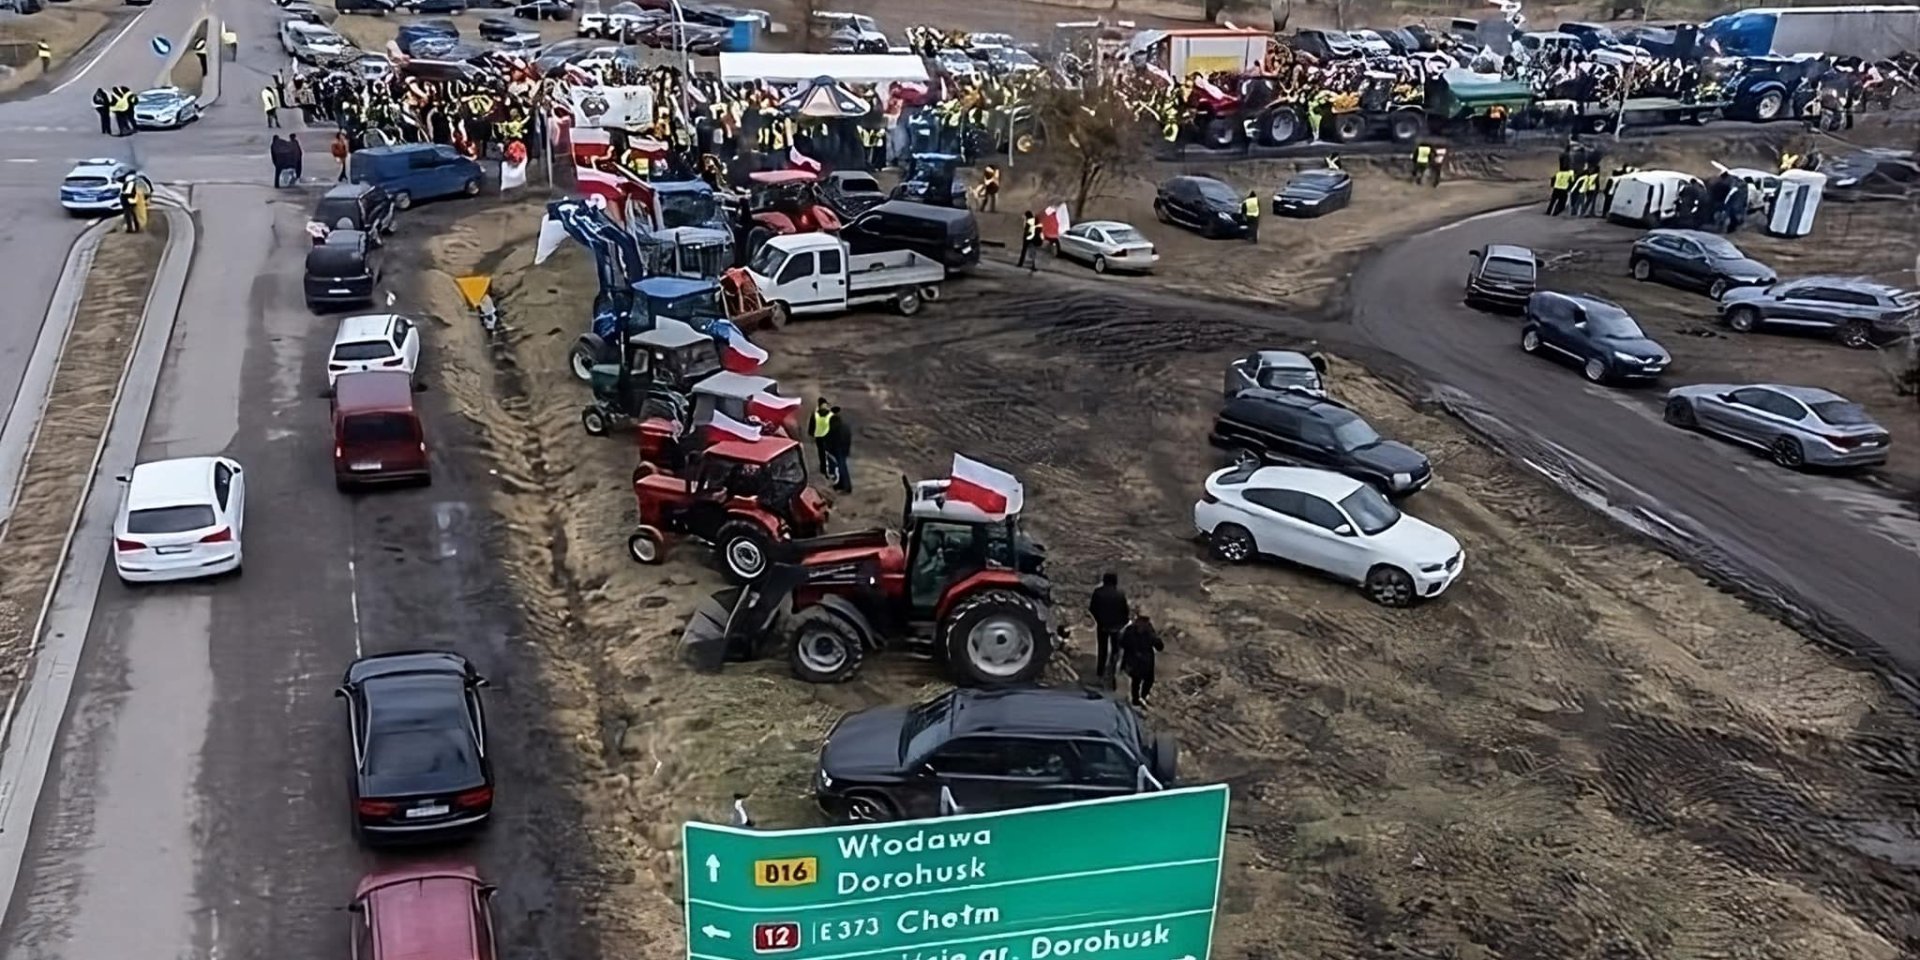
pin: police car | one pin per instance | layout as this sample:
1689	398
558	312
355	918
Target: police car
93	186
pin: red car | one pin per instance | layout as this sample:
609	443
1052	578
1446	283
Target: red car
423	912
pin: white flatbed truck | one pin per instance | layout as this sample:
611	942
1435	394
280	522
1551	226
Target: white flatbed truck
803	274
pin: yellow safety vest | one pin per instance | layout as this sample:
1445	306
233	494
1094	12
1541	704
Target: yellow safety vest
45	52
822	422
1587	183
1251	207
1032	230
1422	153
1563	179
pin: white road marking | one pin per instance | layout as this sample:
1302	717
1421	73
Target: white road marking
213	933
444	515
22	160
353	601
82	72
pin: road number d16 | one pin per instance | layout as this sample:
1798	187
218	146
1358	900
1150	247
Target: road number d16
791	872
775	937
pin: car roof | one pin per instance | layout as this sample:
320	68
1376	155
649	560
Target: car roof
924	211
425	917
1292	398
1105	225
372	326
101	166
410	872
170	91
170	483
783	176
1583	299
1291	359
1037	710
1509	251
1805	394
396	149
371	391
1325	484
407	661
1853	283
348	190
1196	178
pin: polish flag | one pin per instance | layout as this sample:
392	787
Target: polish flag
722	428
771	407
607	186
800	161
588	144
741	356
992	491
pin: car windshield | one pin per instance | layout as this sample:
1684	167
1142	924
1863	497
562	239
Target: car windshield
1317	181
1501	268
332	210
1126	235
363	350
156	97
170	519
1370	511
1354	434
1217	191
1280	378
1841	413
1718	248
688	208
378	428
1606	320
925	728
767	261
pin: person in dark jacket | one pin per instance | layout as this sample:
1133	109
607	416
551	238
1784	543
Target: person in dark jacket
1110	615
103	105
280	152
839	447
1138	646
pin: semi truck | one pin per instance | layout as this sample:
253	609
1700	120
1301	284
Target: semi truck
1871	32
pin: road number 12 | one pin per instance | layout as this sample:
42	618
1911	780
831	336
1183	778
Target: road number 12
791	872
775	937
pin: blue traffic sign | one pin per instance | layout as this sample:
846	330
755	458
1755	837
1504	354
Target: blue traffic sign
162	46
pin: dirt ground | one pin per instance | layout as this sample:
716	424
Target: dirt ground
66	27
1582	751
79	404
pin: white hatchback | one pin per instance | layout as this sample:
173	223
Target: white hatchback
1330	522
180	519
381	341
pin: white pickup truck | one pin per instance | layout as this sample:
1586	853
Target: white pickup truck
809	273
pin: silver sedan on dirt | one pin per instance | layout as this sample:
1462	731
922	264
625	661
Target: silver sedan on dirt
1107	245
1798	427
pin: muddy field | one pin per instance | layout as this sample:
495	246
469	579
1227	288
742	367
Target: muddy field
79	404
1583	751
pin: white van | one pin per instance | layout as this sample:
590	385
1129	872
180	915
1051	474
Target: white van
1647	198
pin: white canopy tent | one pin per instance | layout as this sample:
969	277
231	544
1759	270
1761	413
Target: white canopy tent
801	67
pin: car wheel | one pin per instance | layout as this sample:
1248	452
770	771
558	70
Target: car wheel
1743	319
1857	335
471	188
744	547
1099	264
1717	288
1247	457
866	807
402	200
1389	587
1595	370
1641	269
647	546
1160	212
1786	452
1679	412
594	421
907	303
1530	340
1232	543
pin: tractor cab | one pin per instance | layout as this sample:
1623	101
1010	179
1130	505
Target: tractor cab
667	442
653	379
947	542
930	179
740	496
694	302
782	202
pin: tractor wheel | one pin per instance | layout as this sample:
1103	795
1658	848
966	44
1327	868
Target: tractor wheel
647	546
1219	134
744	549
1348	127
594	421
997	638
581	360
1025	142
825	648
1164	761
1280	127
777	315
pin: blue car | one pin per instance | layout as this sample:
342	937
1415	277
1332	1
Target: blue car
416	171
93	186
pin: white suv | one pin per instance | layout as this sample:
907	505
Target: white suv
1330	522
380	341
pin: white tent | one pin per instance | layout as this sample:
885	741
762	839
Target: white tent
800	67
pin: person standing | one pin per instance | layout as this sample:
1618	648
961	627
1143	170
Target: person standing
129	208
103	105
297	157
1029	243
990	189
1110	614
1422	156
1250	209
818	426
1562	185
123	111
1438	166
44	53
270	103
341	150
840	448
1139	646
200	52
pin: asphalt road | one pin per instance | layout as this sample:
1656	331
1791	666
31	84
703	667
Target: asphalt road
197	804
1831	551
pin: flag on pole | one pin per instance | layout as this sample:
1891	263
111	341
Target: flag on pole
552	232
723	427
771	407
990	490
742	356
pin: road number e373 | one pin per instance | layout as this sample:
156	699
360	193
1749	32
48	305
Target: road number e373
830	930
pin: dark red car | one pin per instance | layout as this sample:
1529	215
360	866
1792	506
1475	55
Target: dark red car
423	912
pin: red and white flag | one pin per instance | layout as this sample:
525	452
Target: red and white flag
588	144
800	161
771	407
742	356
610	188
723	427
992	491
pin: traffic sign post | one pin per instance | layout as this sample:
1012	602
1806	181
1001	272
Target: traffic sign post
1130	878
161	47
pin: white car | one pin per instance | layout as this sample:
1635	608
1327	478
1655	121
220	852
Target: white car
1371	43
380	341
93	186
1330	522
1107	245
180	519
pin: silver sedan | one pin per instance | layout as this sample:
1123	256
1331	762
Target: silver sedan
1796	426
165	108
1107	245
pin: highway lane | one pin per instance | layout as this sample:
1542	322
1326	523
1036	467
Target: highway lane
1828	548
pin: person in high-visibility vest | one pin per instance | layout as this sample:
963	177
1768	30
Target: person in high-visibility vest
818	426
1788	161
45	53
1029	243
1585	186
1422	155
1250	208
129	208
1557	200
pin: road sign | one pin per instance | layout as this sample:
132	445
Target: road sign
1131	878
473	288
161	47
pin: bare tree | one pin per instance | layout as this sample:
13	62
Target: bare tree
1089	141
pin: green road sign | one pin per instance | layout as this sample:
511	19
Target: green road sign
1131	878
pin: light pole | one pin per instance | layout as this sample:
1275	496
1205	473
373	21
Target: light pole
686	60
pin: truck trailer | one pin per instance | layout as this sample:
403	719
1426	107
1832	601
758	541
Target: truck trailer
1871	32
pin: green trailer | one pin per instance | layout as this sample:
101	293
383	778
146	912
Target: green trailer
1458	97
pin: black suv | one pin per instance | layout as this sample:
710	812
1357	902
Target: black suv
1503	275
1203	203
1597	334
1284	427
970	751
364	207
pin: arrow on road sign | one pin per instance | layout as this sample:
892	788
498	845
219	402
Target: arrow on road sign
719	934
162	46
713	868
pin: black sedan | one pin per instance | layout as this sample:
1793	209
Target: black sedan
499	28
1597	334
1202	203
970	751
1877	173
454	7
1696	259
419	740
1314	193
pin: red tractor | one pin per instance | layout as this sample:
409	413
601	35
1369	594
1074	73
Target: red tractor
783	202
963	586
672	435
740	496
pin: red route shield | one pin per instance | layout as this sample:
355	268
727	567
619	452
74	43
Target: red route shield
776	937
